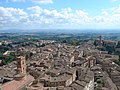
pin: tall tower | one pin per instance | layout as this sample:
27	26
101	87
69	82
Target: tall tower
21	68
21	65
100	38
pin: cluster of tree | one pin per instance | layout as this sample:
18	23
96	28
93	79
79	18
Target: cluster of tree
1	56
111	48
8	59
74	42
3	48
117	62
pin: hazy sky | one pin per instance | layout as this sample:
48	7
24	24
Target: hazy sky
60	14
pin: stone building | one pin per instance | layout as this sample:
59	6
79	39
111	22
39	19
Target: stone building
85	80
61	79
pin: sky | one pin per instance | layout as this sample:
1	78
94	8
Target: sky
59	14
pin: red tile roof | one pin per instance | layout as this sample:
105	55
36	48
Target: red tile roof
16	85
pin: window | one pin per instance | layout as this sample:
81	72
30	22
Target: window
23	62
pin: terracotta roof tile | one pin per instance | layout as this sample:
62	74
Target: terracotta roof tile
16	85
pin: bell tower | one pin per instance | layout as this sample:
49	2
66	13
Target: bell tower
21	68
21	65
